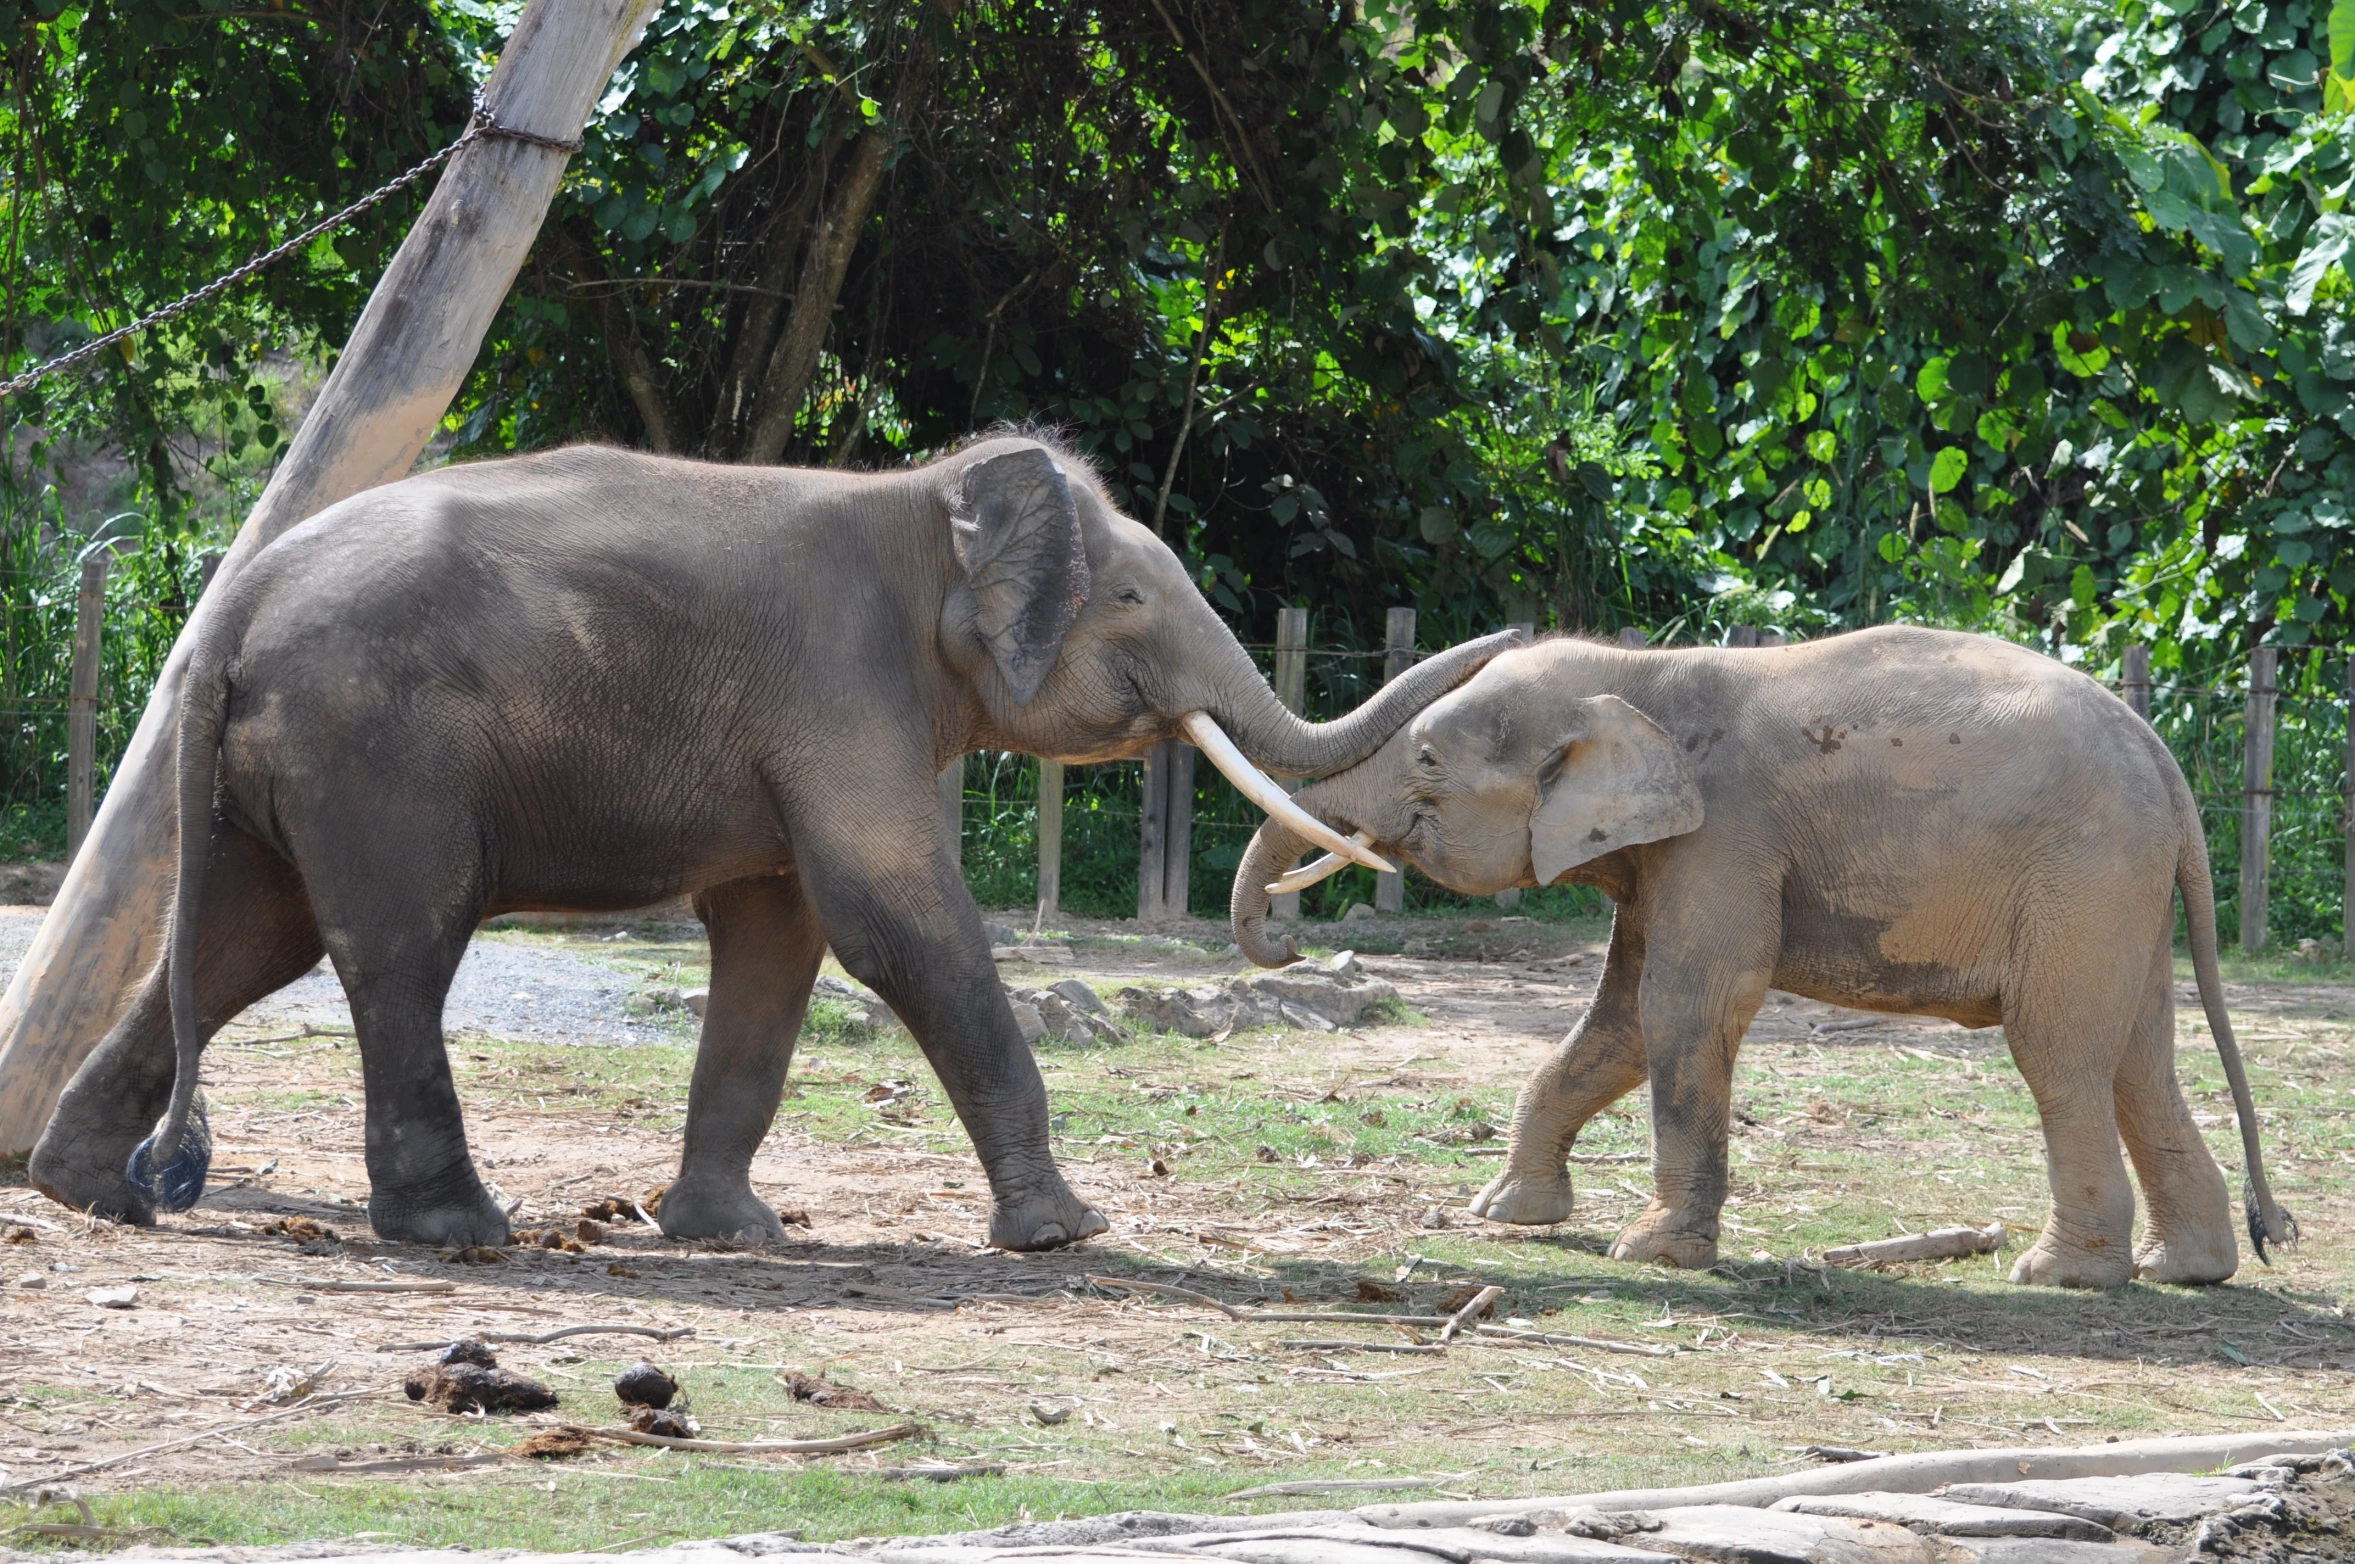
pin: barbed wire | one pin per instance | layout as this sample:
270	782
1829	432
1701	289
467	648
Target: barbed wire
479	125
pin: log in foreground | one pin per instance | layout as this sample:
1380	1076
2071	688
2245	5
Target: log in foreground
407	357
1947	1243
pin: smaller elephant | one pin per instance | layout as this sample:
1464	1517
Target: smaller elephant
1905	820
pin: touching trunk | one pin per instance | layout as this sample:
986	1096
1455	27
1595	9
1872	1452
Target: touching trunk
1271	850
1278	741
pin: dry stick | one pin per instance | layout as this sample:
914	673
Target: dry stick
420	1285
1167	1291
310	1405
1358	1346
875	1436
1633	1349
1472	1310
520	1338
1947	1243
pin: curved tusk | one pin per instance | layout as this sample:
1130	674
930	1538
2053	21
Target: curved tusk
1263	790
1309	874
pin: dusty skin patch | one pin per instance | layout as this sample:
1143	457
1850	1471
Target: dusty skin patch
1295	1166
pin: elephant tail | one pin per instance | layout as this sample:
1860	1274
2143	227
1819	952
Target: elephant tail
170	1172
2266	1218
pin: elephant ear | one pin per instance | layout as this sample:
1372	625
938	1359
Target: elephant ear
1017	537
1616	779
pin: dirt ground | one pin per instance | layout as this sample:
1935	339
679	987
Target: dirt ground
1298	1169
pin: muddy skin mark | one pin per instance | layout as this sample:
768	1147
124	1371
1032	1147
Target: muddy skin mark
1954	738
1897	743
1826	741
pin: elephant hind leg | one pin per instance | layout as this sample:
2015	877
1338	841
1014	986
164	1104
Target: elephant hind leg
2068	1041
2188	1237
1601	1061
255	935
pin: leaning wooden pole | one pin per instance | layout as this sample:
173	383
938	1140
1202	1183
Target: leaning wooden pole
407	357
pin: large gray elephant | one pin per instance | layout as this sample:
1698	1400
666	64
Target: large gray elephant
594	679
1903	820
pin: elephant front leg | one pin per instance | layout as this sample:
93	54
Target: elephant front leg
1694	1015
906	926
1598	1063
766	946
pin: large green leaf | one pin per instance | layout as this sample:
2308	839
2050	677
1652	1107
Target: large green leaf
2327	243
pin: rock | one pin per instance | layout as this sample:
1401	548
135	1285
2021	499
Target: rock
114	1297
1313	996
2045	1550
1079	996
1338	998
1740	1536
2128	1504
864	1003
1189	1012
697	999
1026	1016
1946	1518
1346	966
1001	933
1060	1018
1358	912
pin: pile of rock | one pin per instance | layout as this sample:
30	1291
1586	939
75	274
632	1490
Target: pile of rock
1315	996
1069	1011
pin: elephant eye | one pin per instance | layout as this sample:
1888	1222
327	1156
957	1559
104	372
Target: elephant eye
1128	596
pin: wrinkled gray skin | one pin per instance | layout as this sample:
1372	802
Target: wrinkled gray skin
1903	820
594	679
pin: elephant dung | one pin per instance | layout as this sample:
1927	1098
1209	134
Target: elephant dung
470	1387
642	1384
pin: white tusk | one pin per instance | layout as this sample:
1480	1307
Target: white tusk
1309	874
1263	790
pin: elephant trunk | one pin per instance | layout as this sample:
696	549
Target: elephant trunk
1279	741
1272	848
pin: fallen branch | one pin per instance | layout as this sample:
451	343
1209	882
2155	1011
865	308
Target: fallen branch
421	1284
312	1404
1633	1349
873	1436
1338	1317
943	1472
328	1465
1358	1346
1947	1243
520	1338
1342	1485
1167	1291
1473	1308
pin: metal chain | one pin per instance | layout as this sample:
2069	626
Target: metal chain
478	126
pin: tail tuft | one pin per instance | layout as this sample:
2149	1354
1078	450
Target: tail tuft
2255	1211
176	1185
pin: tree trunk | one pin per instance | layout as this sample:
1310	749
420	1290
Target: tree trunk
757	334
787	378
640	376
796	357
408	355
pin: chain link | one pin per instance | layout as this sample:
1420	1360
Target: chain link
478	126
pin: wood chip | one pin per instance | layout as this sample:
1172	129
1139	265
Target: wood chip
1947	1243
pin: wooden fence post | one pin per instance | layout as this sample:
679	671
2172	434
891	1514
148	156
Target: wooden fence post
952	806
208	565
2347	822
1292	689
81	711
1050	838
2257	798
1770	638
1152	813
410	351
1633	638
1398	655
2134	680
1742	635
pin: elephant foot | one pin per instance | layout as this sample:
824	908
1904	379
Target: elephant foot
1531	1201
1659	1237
458	1217
1048	1218
737	1215
2181	1262
84	1172
2051	1263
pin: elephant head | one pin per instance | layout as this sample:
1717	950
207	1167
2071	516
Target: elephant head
1083	639
1515	779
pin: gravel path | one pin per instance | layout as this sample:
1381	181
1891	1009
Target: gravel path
506	988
